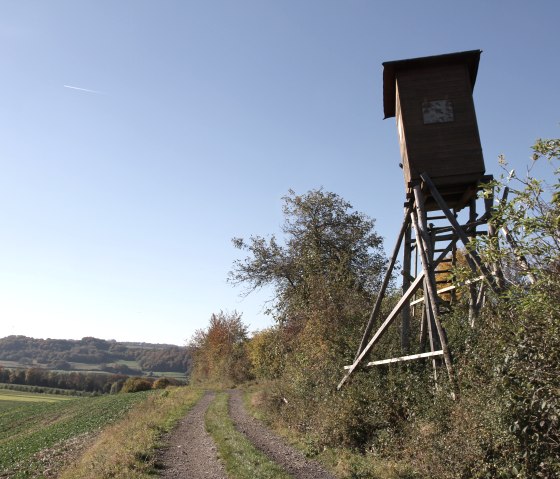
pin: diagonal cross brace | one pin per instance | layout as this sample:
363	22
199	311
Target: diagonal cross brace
459	230
396	310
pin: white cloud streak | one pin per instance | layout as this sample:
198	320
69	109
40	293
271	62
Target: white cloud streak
82	89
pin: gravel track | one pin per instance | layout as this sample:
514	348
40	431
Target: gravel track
191	452
293	461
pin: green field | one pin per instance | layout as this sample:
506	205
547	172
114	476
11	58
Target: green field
10	399
84	367
33	424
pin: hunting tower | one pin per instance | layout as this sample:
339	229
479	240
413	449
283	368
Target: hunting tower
431	98
443	167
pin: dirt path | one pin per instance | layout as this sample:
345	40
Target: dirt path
191	452
294	462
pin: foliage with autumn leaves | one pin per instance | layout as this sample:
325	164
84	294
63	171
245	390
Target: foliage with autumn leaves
219	351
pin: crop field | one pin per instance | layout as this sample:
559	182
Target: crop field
10	399
85	366
36	429
130	364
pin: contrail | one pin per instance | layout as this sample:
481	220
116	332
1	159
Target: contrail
81	89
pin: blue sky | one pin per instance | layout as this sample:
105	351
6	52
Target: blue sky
117	205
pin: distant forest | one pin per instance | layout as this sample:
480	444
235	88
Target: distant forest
58	354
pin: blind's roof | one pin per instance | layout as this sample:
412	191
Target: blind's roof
390	70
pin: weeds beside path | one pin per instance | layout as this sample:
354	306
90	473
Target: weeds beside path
128	449
265	440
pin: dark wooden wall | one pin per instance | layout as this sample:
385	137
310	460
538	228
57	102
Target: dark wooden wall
449	152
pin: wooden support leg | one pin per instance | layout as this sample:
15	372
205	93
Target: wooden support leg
521	259
479	303
415	272
453	293
381	295
423	329
405	313
425	248
472	286
430	307
432	289
430	316
511	240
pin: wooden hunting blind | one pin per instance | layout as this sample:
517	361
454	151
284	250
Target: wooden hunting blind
431	98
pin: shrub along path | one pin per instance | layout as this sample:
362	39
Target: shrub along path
192	453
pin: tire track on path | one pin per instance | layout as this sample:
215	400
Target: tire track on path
191	452
293	461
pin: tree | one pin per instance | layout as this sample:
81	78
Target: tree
327	246
219	352
324	274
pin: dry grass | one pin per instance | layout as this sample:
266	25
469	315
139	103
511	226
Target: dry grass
127	449
257	399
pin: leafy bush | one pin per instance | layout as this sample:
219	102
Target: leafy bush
134	385
266	351
163	383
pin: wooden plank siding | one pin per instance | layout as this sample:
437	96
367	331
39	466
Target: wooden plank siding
450	152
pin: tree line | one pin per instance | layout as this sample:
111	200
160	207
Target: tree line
73	381
59	353
325	272
43	380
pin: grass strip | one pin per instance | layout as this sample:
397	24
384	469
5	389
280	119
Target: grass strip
242	460
127	449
